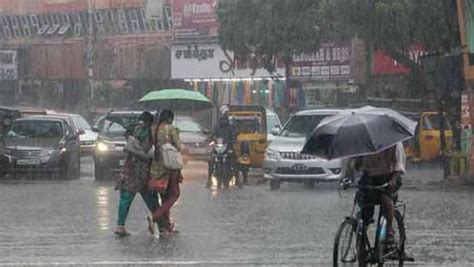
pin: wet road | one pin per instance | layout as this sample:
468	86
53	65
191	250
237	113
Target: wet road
71	222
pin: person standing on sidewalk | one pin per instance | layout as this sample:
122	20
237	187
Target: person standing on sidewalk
164	133
135	173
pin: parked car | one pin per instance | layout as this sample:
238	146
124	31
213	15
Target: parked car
109	156
41	145
273	125
285	163
194	138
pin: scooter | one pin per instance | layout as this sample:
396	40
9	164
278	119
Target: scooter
222	164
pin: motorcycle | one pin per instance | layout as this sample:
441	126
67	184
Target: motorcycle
222	164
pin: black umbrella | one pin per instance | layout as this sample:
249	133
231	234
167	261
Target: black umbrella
355	133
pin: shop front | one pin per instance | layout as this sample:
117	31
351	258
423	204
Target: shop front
326	77
225	79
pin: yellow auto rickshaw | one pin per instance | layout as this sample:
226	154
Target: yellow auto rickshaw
426	145
251	130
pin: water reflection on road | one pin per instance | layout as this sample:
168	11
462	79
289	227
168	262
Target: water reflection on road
72	221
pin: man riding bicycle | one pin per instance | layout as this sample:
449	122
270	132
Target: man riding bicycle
386	167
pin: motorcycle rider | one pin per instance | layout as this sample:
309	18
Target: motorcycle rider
224	129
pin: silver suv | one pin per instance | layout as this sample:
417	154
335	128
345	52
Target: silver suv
285	163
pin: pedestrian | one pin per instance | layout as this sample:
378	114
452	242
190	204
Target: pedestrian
164	133
134	175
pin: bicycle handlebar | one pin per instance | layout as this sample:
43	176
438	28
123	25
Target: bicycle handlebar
348	184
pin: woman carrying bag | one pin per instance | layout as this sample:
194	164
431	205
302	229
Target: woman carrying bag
134	176
165	173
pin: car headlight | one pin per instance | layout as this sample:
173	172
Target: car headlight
271	154
102	147
336	170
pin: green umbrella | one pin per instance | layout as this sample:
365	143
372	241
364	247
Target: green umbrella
177	99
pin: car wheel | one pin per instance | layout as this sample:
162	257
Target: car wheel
274	184
309	183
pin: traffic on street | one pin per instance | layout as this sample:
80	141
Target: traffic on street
236	133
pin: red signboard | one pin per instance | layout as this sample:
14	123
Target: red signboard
27	7
194	19
385	64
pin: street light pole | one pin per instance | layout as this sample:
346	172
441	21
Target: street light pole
90	49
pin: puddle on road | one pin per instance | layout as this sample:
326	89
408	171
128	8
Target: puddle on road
103	208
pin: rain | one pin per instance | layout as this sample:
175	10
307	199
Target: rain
236	133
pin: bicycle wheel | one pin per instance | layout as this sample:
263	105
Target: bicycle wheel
394	257
362	252
344	244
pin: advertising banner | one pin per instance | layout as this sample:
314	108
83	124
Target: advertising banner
8	65
209	61
333	61
194	19
385	64
73	21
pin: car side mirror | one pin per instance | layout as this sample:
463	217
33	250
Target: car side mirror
275	131
81	132
95	128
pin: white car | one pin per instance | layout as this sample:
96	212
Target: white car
88	138
285	163
273	125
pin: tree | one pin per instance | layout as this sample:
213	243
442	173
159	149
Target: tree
394	25
269	30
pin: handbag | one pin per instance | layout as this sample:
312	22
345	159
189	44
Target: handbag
172	159
158	185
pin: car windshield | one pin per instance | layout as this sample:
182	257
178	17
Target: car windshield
36	129
272	122
80	122
248	124
188	125
432	122
116	126
302	125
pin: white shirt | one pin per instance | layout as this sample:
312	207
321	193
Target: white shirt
400	158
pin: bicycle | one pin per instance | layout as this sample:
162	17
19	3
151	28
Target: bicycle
357	248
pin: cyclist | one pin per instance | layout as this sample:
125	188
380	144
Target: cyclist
386	167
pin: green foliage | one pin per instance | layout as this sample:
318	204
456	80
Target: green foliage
269	29
394	25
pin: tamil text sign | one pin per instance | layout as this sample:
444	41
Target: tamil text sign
333	61
194	19
201	61
105	22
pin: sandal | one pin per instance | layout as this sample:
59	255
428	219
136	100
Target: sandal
151	225
121	231
169	230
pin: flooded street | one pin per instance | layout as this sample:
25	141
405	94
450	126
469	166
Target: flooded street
72	222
